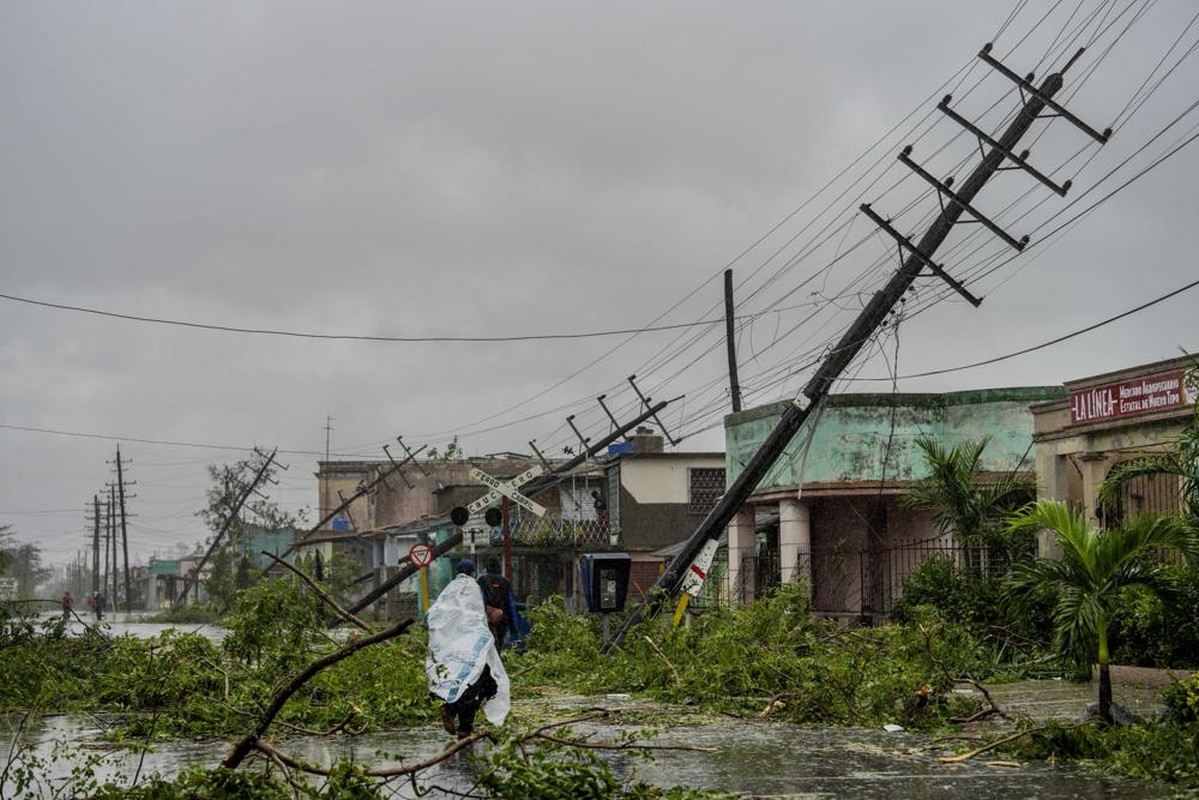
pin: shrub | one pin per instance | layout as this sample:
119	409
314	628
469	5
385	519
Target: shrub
958	594
1148	632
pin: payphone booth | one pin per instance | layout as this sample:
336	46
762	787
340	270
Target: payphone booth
605	578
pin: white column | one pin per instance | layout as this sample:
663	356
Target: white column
151	592
741	544
1094	470
795	542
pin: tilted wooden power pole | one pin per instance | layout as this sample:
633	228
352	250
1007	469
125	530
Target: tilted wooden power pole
954	204
538	484
234	510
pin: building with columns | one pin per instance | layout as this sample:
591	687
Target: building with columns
829	513
1104	420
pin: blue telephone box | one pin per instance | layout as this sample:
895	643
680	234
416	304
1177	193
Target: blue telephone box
605	580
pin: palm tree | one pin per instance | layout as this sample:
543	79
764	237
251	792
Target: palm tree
965	501
1182	461
1095	565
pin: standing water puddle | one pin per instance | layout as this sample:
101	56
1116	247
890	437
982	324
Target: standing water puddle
753	758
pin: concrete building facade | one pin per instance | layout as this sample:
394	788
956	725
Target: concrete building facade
1104	420
829	511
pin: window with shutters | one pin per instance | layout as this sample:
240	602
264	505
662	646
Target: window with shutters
706	488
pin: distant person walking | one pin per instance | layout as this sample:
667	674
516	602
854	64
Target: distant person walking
68	604
601	508
98	605
499	601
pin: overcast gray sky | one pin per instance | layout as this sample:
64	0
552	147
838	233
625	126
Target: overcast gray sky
490	170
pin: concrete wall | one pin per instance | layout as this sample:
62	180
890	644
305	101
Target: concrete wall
654	494
395	501
871	437
665	479
838	491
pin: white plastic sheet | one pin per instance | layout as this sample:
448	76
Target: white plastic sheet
460	644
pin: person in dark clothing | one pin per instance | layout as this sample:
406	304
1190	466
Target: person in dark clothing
68	603
499	602
458	717
601	508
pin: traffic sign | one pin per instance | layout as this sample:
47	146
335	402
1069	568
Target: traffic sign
506	489
420	555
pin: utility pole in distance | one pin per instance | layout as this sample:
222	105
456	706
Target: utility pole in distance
112	543
850	344
95	544
124	528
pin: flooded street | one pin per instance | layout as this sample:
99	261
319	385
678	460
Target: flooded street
134	624
753	758
758	758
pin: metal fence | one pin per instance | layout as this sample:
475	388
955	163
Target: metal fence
851	581
555	532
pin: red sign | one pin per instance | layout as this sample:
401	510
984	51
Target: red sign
420	555
1138	396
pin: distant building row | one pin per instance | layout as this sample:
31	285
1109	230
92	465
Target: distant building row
828	512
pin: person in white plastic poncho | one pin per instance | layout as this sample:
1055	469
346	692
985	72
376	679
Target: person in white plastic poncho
463	666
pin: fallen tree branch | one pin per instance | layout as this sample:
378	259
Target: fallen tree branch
992	709
276	755
321	593
666	660
630	745
281	695
393	772
963	757
354	711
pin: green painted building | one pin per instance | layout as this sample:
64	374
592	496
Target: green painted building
828	512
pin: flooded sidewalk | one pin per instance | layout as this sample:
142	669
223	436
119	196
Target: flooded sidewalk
1136	689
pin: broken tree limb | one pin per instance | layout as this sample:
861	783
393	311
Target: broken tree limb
992	709
962	757
665	660
321	593
281	696
629	745
278	757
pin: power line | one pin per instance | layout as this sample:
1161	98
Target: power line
139	440
352	337
1049	343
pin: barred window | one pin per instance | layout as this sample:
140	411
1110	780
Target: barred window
1143	494
706	488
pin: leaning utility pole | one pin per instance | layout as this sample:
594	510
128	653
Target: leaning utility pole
124	528
538	484
347	501
234	510
859	332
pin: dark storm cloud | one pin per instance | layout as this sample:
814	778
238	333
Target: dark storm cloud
481	169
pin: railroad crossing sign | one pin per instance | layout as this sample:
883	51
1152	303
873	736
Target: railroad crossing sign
693	579
420	555
697	573
505	489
